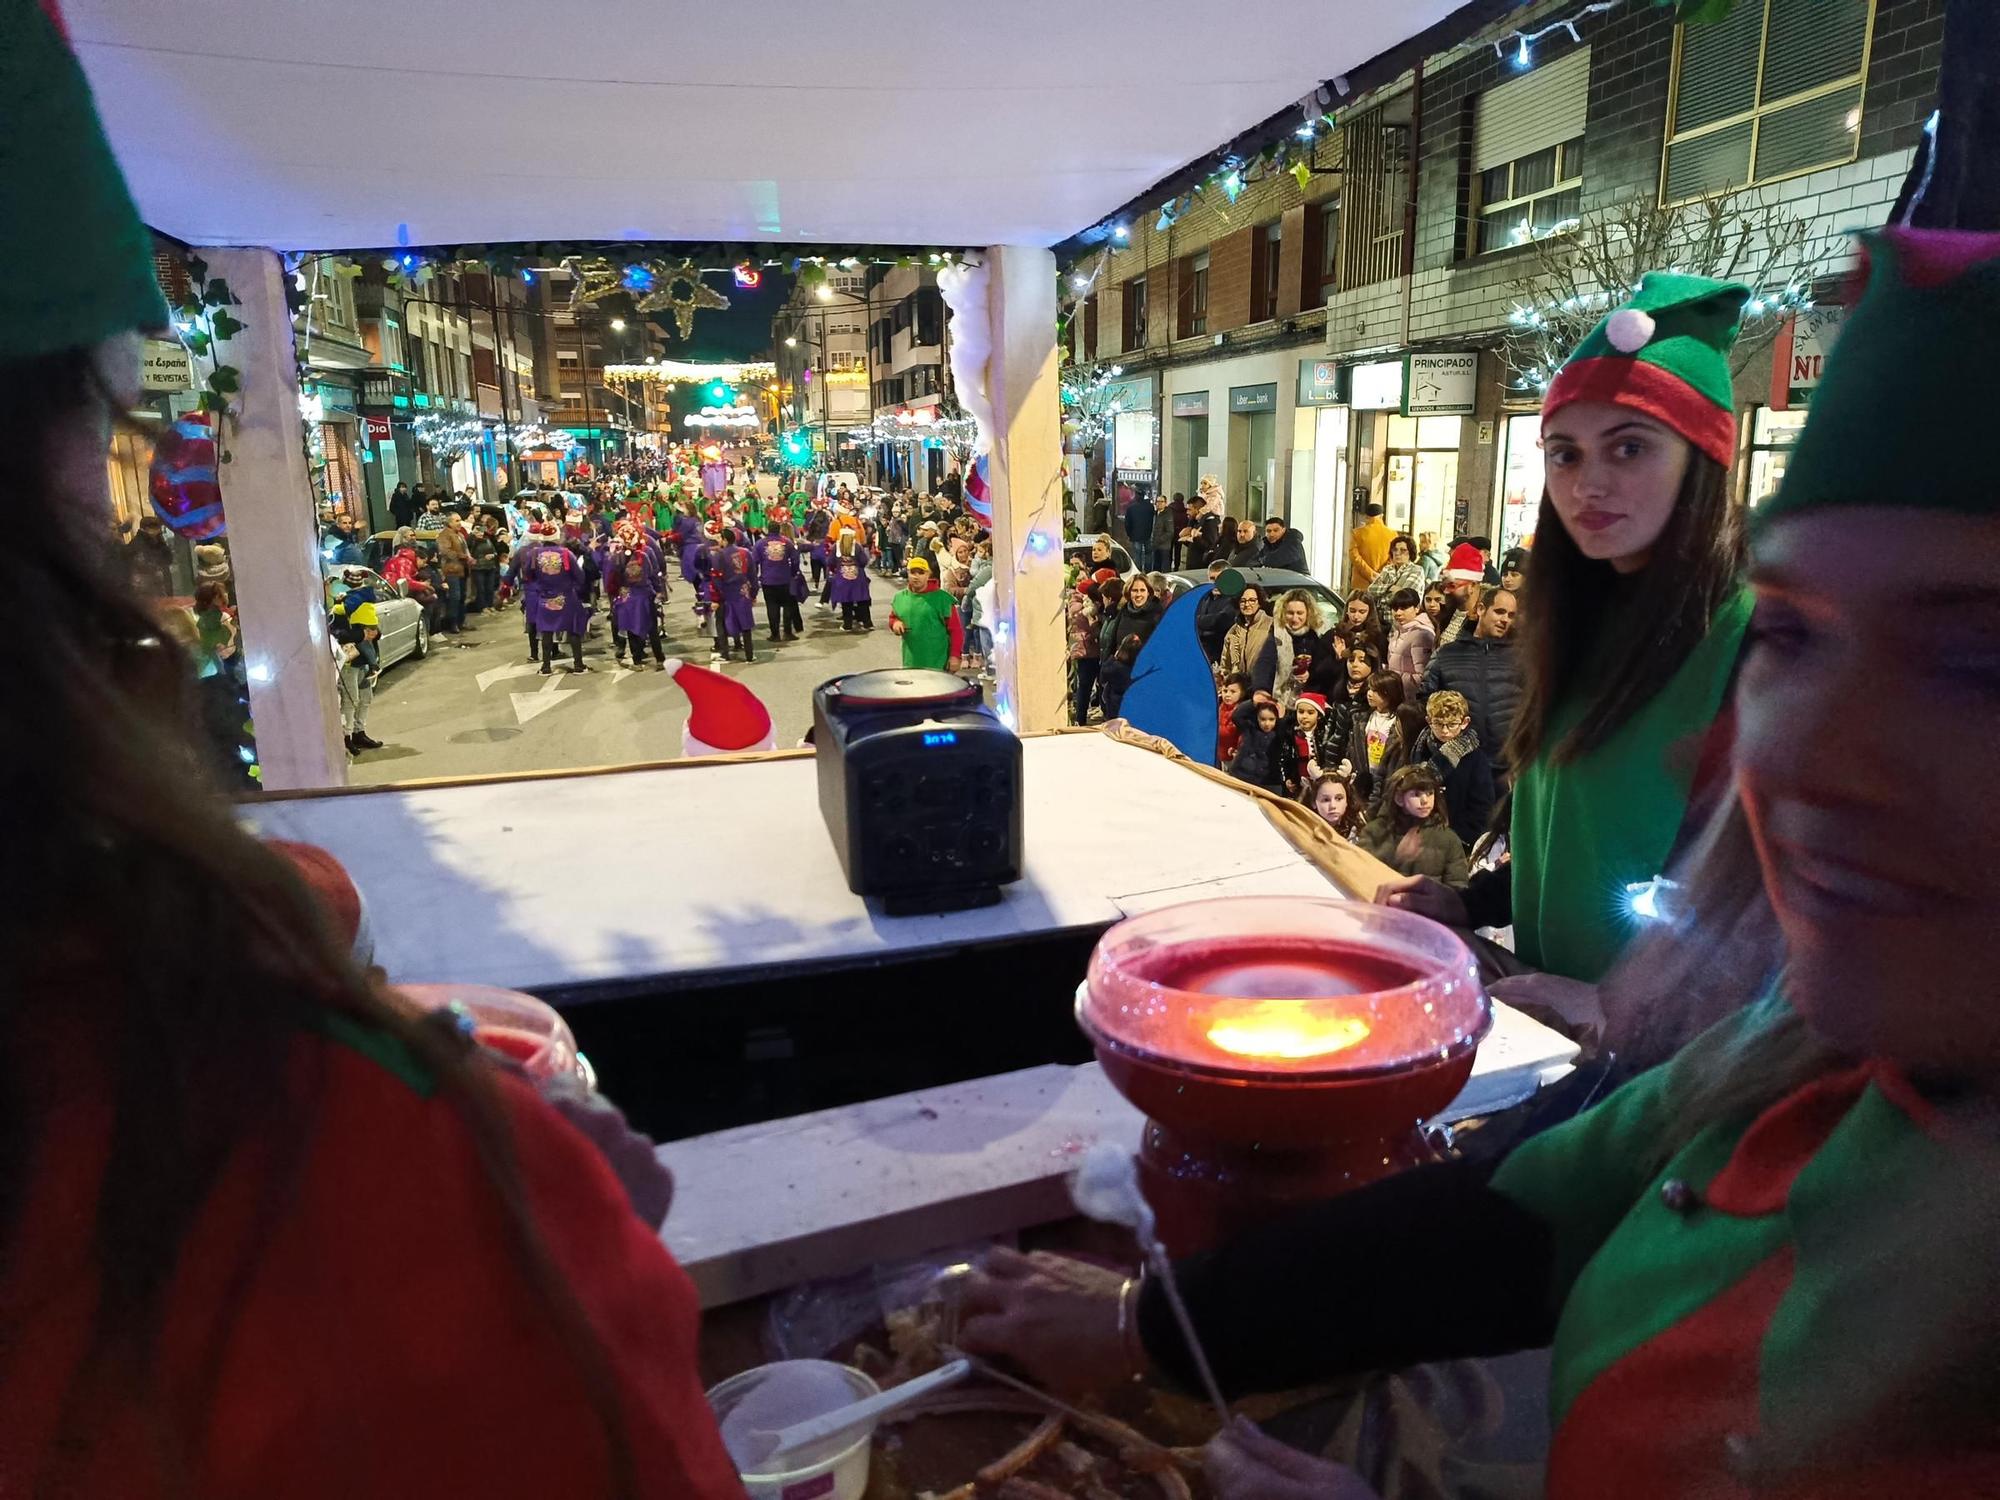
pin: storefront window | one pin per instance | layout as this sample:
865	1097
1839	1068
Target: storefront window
1521	478
1422	490
1772	435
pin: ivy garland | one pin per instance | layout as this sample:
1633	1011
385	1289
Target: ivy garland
205	322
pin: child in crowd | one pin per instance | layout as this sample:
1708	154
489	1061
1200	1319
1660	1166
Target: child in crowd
1450	746
1313	727
1331	795
1115	675
1413	833
1257	754
1233	690
1378	744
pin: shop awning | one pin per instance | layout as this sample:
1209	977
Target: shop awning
906	122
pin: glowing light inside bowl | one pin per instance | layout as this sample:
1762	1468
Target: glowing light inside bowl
1289	1029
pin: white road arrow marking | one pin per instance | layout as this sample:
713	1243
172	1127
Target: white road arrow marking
532	705
498	674
622	673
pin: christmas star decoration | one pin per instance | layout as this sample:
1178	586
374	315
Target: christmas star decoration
652	285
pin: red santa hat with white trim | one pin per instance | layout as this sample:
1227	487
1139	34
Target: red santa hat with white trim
1465	564
727	718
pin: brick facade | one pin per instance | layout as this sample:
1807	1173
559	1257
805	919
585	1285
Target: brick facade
1229	281
1902	74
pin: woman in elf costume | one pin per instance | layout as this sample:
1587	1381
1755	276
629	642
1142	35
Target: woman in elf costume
264	1229
1637	622
1767	1267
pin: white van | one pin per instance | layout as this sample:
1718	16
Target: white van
830	483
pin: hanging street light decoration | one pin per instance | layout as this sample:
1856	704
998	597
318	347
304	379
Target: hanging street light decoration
653	285
682	372
447	436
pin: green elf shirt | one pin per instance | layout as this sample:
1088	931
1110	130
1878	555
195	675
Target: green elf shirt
1585	831
926	636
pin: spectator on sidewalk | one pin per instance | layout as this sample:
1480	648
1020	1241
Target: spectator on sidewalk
455	564
1368	549
1481	666
1284	546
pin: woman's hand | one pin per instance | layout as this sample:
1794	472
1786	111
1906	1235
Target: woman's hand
1054	1317
1427	898
1244	1463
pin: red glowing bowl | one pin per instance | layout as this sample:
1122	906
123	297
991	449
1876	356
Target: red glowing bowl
1282	1049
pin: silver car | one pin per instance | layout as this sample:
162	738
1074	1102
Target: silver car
403	630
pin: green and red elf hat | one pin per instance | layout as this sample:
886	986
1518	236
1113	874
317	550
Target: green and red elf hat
77	261
1664	354
1887	425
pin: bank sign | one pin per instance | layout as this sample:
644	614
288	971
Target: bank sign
1441	385
1799	358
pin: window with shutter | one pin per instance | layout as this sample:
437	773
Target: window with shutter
1135	314
1090	326
1527	155
1770	91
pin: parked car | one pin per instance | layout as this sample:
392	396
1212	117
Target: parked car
403	630
1078	551
1328	605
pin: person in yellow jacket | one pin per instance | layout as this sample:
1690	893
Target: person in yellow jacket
1368	550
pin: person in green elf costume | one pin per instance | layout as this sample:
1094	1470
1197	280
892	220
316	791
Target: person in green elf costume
1635	625
926	617
754	514
1767	1267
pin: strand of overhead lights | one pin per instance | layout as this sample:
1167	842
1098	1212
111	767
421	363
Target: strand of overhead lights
1522	43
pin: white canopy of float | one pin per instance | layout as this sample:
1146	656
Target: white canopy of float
381	122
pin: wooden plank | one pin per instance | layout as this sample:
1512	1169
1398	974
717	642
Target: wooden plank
768	1206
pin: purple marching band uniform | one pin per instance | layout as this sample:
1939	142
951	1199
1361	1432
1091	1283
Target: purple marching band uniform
552	597
688	541
635	576
733	589
777	567
847	583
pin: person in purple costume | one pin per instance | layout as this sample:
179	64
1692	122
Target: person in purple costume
849	582
551	580
777	565
732	583
633	575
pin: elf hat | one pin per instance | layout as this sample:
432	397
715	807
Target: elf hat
1465	565
1664	354
1911	349
727	718
102	282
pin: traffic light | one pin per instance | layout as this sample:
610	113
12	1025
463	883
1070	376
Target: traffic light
720	393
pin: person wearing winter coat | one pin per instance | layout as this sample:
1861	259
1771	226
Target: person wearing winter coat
1139	517
1243	646
1284	546
1411	642
1430	556
1411	834
1138	614
1213	616
1257	753
1115	675
1483	666
1402	571
1081	623
1295	651
1450	746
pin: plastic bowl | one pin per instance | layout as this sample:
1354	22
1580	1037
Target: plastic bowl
837	1475
512	1024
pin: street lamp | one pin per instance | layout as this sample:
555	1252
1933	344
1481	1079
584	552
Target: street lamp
791	343
617	325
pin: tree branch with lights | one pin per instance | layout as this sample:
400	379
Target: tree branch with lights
1573	277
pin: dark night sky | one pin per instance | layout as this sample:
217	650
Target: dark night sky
743	332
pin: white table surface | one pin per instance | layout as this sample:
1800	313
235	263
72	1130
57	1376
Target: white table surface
699	870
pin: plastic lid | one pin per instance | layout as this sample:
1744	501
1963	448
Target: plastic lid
1296	987
903	687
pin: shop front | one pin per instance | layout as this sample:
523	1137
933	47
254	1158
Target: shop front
1188	411
167	392
1253	447
1411	417
1520	473
1321	427
1132	446
332	410
1798	359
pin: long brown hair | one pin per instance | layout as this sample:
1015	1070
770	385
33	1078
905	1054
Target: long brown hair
190	1010
1583	638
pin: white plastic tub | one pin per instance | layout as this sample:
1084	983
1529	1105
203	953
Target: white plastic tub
837	1471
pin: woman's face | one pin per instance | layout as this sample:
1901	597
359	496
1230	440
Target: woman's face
1434	604
1330	801
1357	611
1879	878
1249	604
1358	668
1297	616
1403	616
1418	804
1138	593
1399	551
1613	478
1100	550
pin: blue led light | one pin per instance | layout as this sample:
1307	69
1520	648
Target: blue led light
941	737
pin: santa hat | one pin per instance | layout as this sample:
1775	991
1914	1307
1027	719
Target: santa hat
1466	565
1664	354
334	891
727	718
1315	699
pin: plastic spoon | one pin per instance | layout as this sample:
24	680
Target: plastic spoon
829	1424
